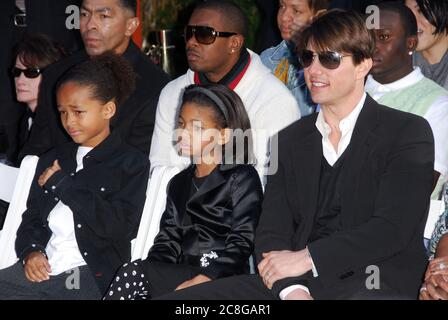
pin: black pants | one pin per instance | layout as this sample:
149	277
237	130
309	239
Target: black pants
251	287
15	286
143	280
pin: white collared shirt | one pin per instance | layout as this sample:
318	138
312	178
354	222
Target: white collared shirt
377	90
346	127
437	114
62	249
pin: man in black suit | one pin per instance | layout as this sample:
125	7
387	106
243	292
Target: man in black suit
106	25
343	217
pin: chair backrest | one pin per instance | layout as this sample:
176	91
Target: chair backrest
154	207
16	208
8	178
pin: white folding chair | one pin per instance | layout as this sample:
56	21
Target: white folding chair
8	178
154	207
16	208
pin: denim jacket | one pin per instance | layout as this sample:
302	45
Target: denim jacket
272	57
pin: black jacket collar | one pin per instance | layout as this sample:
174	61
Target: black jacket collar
213	180
132	53
105	150
216	178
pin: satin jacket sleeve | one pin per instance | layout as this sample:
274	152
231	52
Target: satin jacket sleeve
247	197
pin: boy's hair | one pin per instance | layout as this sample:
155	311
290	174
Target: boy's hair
341	31
131	5
436	12
229	112
407	18
37	50
233	15
109	76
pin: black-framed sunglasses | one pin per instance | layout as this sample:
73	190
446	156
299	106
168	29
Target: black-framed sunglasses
328	59
30	73
204	34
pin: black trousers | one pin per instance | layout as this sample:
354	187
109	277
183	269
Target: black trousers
141	280
251	287
66	286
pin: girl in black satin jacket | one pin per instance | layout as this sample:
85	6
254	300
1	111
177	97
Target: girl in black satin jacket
213	206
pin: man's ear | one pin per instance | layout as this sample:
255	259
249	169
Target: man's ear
236	43
412	43
109	110
363	68
226	135
131	25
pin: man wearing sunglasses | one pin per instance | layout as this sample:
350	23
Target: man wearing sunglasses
216	54
105	25
343	217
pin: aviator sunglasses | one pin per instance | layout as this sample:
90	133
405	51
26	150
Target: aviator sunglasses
205	35
328	59
30	73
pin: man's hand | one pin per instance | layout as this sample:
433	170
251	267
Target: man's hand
37	267
299	294
200	278
48	173
278	265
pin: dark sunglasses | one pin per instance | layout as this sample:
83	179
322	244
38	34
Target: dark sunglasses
205	35
328	59
30	73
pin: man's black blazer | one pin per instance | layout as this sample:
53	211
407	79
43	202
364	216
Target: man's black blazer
388	176
134	119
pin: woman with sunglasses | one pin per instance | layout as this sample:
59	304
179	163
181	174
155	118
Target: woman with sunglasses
432	49
33	54
292	16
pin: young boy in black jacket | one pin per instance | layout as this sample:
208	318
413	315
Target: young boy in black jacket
87	196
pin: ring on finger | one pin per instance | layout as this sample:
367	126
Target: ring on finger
266	276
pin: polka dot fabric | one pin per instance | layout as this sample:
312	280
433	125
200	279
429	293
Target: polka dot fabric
129	283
